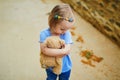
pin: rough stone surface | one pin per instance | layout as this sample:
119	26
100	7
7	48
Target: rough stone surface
102	14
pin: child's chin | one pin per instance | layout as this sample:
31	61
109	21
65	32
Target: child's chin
63	33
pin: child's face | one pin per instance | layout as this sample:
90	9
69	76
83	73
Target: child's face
62	27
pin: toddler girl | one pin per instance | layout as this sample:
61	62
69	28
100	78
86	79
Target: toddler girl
60	20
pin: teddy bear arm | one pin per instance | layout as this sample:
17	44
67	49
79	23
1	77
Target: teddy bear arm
57	69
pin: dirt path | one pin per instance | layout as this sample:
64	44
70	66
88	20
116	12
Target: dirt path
20	24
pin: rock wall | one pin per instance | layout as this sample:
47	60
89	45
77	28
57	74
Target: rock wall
102	14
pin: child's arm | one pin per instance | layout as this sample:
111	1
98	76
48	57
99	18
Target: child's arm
55	52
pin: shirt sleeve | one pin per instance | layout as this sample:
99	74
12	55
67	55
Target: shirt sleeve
68	38
42	37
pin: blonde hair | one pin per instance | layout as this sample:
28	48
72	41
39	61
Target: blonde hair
62	10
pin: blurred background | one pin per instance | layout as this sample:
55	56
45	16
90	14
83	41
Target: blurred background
97	28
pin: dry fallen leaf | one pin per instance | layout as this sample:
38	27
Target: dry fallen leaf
73	33
80	39
73	28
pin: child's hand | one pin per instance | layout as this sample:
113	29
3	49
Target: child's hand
43	46
66	50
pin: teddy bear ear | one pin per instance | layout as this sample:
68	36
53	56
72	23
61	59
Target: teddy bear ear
62	43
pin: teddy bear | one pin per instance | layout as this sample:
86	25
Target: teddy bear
51	61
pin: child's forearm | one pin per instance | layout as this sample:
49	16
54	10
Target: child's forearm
54	52
57	52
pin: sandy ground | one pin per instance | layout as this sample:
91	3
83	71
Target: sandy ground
20	24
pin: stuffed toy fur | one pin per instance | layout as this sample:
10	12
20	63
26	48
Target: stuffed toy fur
50	61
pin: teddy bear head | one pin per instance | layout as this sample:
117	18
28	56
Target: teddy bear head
55	42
